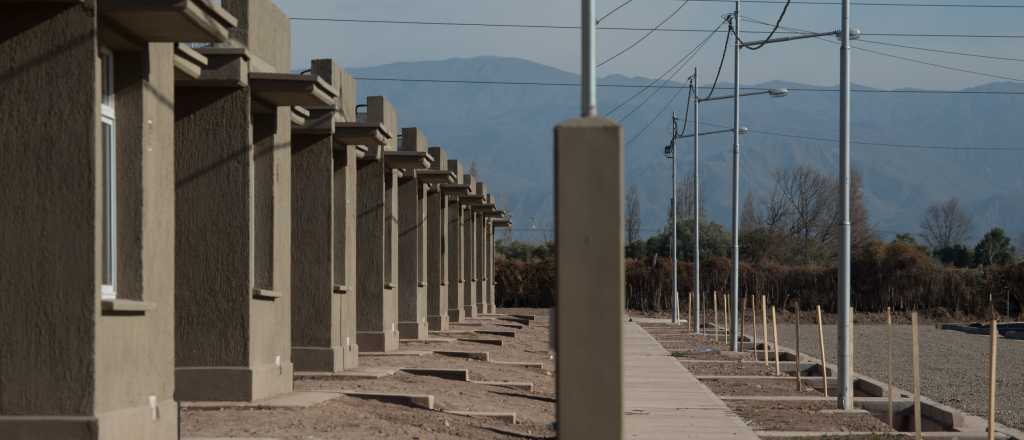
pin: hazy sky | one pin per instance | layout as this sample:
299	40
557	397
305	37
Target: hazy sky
809	61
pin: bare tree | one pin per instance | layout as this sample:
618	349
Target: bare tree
945	224
472	170
685	189
750	219
811	201
632	215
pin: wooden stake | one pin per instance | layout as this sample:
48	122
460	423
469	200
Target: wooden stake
799	354
888	322
992	382
775	336
689	312
714	298
743	322
728	321
753	322
764	325
917	376
821	344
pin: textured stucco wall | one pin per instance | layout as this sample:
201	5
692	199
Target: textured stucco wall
377	307
345	174
456	274
213	172
314	314
412	307
264	29
48	227
469	261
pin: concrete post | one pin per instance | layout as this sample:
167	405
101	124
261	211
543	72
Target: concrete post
456	248
469	249
590	262
480	251
376	239
490	268
437	248
412	246
323	274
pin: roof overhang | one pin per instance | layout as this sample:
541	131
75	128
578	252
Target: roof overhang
361	133
288	89
502	222
170	20
408	160
317	122
458	189
472	200
188	63
225	67
436	176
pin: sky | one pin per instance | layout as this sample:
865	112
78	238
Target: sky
807	61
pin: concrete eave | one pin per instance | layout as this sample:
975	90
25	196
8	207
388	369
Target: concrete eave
502	223
188	63
407	160
287	89
316	122
299	115
472	200
225	67
435	176
170	20
457	189
361	133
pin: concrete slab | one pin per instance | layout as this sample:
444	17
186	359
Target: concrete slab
430	340
398	353
454	332
466	324
482	341
294	400
505	333
537	365
515	326
478	355
664	400
356	373
459	374
425	401
524	386
507	417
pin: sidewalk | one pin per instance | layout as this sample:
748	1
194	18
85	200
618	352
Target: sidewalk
665	401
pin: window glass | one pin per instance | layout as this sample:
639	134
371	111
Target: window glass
109	189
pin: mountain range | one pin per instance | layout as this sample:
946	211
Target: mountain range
901	139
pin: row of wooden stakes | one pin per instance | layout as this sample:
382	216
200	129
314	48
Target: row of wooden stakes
821	346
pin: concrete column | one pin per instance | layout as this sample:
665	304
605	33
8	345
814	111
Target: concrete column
323	275
456	248
480	252
377	241
492	307
590	262
412	246
469	254
437	248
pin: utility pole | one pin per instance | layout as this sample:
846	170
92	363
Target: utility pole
734	321
845	355
588	71
696	195
675	211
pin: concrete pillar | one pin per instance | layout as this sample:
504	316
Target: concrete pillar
323	235
469	249
437	246
590	262
376	239
492	307
456	248
480	249
74	363
412	246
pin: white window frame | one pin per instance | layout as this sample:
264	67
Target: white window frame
108	145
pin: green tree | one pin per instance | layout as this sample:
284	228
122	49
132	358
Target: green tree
994	249
958	256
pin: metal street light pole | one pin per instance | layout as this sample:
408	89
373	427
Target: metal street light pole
696	193
588	71
845	325
675	252
734	320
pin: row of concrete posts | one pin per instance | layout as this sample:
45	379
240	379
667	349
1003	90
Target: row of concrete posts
183	218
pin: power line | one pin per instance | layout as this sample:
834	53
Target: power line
950	52
627	28
649	86
644	37
599	20
878	144
883	4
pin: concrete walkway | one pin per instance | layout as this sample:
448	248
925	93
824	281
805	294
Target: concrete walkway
665	401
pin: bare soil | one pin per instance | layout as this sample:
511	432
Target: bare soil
352	418
731	387
804	416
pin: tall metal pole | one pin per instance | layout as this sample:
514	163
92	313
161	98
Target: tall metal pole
696	194
734	322
588	72
675	252
845	320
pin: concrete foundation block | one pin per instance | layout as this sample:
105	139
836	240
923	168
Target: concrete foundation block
477	355
424	401
459	374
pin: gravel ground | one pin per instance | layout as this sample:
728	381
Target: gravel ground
954	365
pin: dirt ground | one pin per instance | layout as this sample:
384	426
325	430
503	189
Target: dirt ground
352	418
766	415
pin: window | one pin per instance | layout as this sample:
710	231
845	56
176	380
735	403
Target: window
108	120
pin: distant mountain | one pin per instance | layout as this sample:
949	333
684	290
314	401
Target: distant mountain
507	131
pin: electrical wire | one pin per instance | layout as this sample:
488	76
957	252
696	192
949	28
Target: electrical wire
599	20
884	4
721	62
949	52
630	28
676	67
644	37
771	34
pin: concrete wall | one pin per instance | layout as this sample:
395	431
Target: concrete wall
412	294
265	30
437	249
344	253
456	275
469	262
